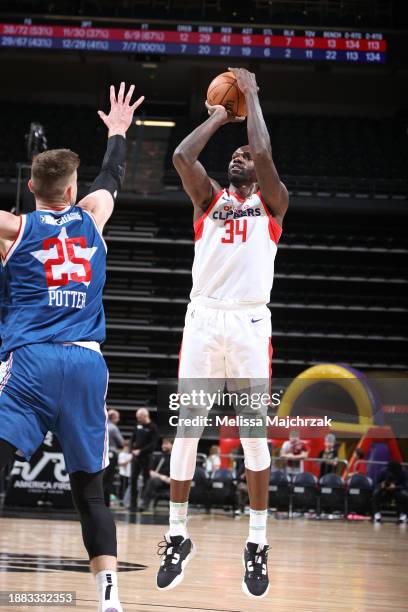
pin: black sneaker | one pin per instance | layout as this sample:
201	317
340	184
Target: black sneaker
176	552
256	581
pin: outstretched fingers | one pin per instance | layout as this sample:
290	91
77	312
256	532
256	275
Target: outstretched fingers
129	95
102	116
121	93
120	115
112	95
122	99
137	103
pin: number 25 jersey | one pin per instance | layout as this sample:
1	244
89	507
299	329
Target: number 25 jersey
235	247
54	274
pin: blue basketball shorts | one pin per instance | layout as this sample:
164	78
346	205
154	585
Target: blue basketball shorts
59	388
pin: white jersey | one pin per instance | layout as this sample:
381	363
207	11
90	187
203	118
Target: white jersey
235	247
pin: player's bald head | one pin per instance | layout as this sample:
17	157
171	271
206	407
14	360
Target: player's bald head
142	415
242	149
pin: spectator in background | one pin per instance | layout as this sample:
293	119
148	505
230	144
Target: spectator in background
159	476
213	462
125	469
392	484
358	463
329	454
115	444
142	445
294	451
115	437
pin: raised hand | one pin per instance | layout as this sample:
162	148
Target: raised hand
222	114
121	111
246	80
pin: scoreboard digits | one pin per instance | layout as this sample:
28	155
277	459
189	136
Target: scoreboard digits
198	40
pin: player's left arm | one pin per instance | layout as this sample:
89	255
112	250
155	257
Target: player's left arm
272	189
102	194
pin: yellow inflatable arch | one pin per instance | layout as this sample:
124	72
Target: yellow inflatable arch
338	375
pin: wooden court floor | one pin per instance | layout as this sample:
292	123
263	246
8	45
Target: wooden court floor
314	566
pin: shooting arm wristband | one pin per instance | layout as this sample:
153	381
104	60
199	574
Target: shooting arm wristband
113	167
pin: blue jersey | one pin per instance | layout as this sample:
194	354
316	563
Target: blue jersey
53	278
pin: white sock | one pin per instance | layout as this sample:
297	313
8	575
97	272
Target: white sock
257	526
178	519
107	590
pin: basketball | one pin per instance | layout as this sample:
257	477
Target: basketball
224	90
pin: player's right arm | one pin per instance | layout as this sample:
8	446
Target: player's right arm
101	197
196	183
9	228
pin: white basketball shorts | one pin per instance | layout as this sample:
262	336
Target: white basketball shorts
229	342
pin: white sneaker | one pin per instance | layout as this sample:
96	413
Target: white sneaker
402	518
377	517
107	590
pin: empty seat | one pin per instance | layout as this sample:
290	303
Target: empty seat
305	491
199	492
279	490
332	494
359	492
222	489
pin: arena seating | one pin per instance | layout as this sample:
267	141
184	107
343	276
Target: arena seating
302	493
305	492
331	155
199	488
222	490
332	494
279	490
359	491
314	155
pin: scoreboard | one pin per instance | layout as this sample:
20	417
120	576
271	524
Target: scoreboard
168	38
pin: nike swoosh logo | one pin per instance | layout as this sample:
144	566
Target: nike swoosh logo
255	320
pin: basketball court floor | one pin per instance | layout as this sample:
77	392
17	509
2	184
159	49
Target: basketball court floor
314	566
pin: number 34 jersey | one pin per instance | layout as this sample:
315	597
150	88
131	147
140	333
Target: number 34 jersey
54	274
235	248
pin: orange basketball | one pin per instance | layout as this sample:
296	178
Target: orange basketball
224	90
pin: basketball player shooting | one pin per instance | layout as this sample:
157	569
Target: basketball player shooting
227	330
53	376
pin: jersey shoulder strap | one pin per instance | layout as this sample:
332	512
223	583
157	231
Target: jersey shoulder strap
22	231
